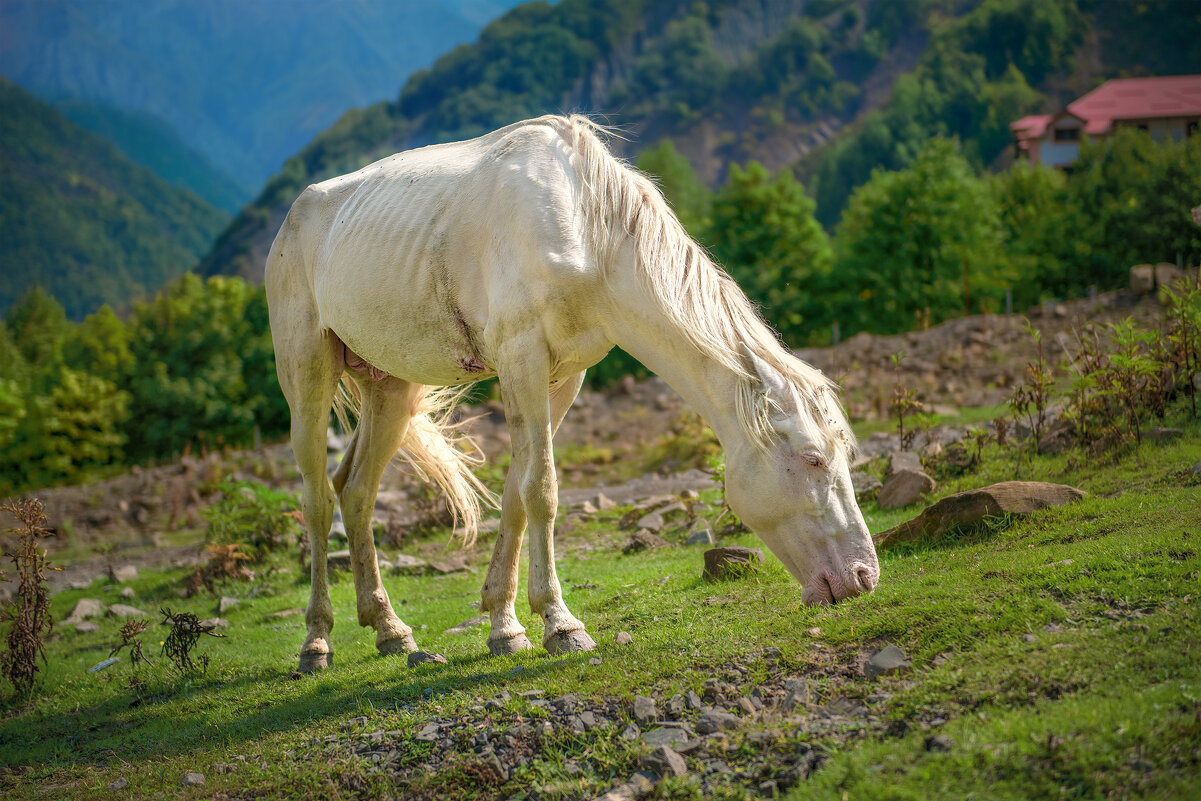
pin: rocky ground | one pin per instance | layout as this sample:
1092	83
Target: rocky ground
138	517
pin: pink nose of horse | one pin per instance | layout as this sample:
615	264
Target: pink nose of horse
864	578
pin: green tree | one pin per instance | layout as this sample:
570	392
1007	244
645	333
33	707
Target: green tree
1037	221
765	234
690	199
926	237
202	368
99	345
38	326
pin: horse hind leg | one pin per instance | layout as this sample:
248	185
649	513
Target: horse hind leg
387	408
308	370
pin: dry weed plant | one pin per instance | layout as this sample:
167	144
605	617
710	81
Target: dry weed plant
28	615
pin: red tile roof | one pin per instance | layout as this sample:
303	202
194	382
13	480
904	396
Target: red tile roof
1137	99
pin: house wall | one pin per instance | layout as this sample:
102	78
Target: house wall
1161	130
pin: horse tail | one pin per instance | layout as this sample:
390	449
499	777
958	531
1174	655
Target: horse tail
438	451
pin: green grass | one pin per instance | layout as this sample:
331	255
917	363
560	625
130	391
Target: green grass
1104	701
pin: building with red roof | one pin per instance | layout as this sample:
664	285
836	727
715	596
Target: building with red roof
1167	107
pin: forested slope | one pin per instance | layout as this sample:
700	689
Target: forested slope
81	220
833	88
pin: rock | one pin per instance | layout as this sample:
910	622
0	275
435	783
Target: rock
631	732
124	573
701	535
694	701
86	627
1162	435
972	506
192	779
423	657
651	522
604	503
665	761
428	733
121	610
120	784
903	460
864	484
1142	278
1059	437
225	604
224	767
208	624
904	487
85	608
644	709
623	638
889	659
643	540
287	612
1028	637
455	564
1196	471
671	736
467	625
639	785
930	450
128	593
798	694
403	563
939	742
730	562
716	720
746	705
338	560
587	508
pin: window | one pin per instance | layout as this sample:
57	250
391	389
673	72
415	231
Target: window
1067	134
1190	128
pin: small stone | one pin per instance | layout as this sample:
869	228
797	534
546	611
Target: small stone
694	701
123	611
192	779
596	660
623	638
223	767
889	659
403	563
1028	637
674	706
701	535
225	604
128	593
904	488
651	522
125	573
604	503
903	460
939	742
631	732
745	705
731	562
644	709
665	761
798	695
864	484
338	560
85	608
428	733
715	720
587	508
672	737
211	623
768	788
455	564
814	632
120	784
644	540
86	627
424	657
287	612
467	625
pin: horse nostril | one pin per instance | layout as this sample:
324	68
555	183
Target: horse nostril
865	578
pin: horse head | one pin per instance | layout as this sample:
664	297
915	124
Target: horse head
795	492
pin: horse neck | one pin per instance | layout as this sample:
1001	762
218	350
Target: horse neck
709	387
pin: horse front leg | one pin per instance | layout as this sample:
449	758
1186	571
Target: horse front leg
525	388
500	586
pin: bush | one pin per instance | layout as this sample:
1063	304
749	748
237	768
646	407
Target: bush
254	516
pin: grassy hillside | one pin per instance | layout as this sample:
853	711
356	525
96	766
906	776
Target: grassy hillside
83	221
1052	656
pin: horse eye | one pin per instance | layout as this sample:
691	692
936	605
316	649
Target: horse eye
812	459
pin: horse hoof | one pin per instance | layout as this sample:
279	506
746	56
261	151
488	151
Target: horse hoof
397	645
509	645
569	642
312	662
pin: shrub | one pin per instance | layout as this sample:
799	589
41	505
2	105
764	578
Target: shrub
29	616
254	516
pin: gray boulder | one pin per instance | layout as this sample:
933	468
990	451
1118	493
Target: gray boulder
903	488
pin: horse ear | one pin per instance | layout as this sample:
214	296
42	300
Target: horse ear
772	383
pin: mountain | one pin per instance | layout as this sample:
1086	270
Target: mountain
831	88
80	219
246	84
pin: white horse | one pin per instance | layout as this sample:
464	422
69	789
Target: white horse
527	254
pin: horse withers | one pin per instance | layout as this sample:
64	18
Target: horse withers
527	254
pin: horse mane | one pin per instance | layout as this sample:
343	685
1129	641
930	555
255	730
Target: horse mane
621	207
